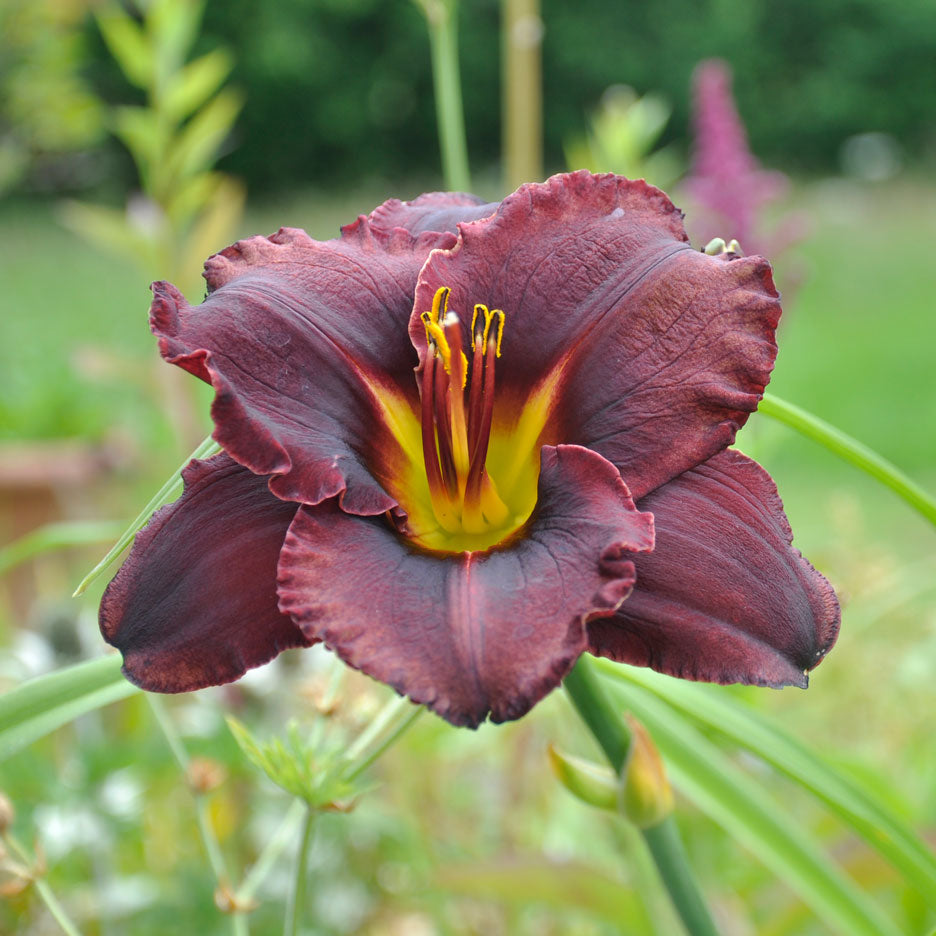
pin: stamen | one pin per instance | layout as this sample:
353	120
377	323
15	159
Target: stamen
474	392
443	425
440	304
456	433
476	472
458	370
435	337
501	319
441	504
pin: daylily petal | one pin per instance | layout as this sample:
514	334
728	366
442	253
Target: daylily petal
195	602
305	344
724	597
433	211
470	633
650	352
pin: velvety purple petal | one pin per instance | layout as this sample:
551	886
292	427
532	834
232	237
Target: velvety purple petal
472	633
195	603
301	341
433	211
656	353
724	597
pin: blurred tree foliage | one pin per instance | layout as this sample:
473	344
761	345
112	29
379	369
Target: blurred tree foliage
46	108
338	90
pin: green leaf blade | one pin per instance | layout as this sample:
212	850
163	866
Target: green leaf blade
168	492
871	819
41	705
53	537
736	802
192	85
851	450
128	44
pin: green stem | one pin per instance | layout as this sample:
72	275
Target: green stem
44	890
668	852
852	451
601	717
297	896
169	491
442	19
271	852
391	739
209	839
605	723
359	758
388	712
522	81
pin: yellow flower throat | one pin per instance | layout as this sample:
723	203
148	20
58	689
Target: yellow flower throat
472	484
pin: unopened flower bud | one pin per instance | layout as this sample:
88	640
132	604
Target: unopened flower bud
714	247
593	784
228	902
204	774
7	814
646	795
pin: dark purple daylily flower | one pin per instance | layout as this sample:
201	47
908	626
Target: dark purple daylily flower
553	480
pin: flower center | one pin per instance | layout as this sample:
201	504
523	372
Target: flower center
466	470
457	413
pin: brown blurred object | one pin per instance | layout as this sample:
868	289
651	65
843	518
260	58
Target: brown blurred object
41	483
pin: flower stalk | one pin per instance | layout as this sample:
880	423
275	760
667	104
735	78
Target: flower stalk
522	79
442	19
209	839
362	761
297	895
45	892
615	739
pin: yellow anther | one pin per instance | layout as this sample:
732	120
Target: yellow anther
500	329
437	335
440	304
425	319
479	309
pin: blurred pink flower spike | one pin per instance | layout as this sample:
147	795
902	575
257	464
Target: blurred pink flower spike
553	478
725	179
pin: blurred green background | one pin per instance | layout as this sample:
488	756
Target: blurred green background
329	112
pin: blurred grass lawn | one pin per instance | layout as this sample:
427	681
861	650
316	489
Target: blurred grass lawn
857	348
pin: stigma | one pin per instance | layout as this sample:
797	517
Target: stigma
457	393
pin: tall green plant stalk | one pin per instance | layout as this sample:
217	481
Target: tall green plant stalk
45	892
185	209
522	81
442	19
239	926
663	841
297	894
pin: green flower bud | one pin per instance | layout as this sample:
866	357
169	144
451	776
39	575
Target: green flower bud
7	814
646	796
593	784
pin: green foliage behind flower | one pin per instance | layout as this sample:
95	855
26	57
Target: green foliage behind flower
47	110
342	90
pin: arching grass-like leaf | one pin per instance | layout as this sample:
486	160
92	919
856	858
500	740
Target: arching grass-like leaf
168	492
41	705
754	732
702	772
52	537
